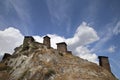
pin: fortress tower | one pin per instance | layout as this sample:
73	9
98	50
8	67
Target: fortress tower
27	40
62	47
6	55
46	41
104	62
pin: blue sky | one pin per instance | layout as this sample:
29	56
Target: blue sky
89	27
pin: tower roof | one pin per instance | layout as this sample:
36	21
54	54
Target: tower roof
61	43
46	37
102	57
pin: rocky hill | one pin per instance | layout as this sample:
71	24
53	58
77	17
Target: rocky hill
39	61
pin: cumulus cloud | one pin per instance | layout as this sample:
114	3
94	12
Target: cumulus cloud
84	35
111	49
9	39
85	53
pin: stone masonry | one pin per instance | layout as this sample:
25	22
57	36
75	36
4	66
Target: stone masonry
46	41
104	62
27	40
6	55
62	47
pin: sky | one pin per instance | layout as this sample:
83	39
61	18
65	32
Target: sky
91	28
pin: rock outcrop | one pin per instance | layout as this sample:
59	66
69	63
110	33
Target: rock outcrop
38	61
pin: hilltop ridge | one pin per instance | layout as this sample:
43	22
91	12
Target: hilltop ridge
39	61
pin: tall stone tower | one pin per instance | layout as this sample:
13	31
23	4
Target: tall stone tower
104	62
62	47
27	41
46	41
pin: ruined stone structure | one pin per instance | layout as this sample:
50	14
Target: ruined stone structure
6	55
46	41
39	61
62	47
27	40
104	62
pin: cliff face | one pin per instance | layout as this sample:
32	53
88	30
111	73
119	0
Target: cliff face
35	61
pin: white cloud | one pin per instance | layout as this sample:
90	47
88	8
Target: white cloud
116	30
15	12
9	39
60	12
38	38
113	29
102	41
58	9
111	49
85	53
22	9
84	35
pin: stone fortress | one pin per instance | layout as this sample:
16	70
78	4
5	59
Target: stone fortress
61	47
40	61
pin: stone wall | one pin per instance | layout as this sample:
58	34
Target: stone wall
62	47
27	41
6	55
46	41
104	62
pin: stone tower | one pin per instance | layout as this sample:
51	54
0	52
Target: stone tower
6	55
46	41
62	47
27	41
104	62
